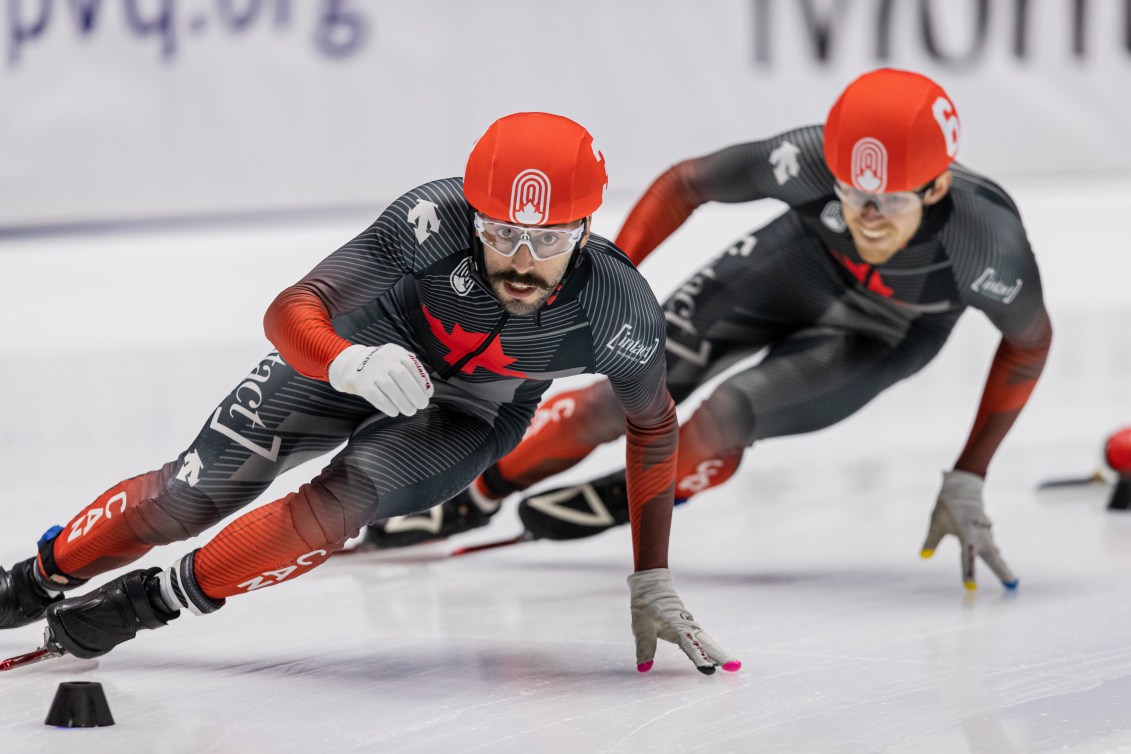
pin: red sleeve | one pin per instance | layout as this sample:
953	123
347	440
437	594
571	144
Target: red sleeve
298	324
650	458
1013	375
665	206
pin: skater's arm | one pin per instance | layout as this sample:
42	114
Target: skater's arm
298	322
650	456
663	208
628	348
996	272
1017	365
789	167
657	610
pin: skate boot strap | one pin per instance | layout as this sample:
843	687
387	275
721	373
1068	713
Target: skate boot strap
22	600
180	589
47	572
90	625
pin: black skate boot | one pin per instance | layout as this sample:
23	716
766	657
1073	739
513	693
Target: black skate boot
464	512
90	625
23	599
577	512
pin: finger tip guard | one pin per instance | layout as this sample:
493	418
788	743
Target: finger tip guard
1011	585
925	553
706	669
644	667
733	666
970	585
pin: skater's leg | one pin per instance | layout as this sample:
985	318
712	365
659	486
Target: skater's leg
565	429
257	432
390	468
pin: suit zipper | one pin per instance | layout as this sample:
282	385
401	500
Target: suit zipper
454	368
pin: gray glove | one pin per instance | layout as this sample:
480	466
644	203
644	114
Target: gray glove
657	611
959	511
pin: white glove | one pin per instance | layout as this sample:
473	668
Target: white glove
959	511
388	376
657	611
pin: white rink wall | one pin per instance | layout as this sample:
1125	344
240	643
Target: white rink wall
120	110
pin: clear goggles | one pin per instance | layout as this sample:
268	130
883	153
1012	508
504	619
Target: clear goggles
544	242
892	204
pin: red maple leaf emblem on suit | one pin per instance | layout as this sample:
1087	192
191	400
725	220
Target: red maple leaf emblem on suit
860	272
460	342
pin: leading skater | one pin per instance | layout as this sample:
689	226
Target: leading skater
885	243
424	344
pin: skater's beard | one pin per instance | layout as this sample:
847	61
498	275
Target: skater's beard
526	306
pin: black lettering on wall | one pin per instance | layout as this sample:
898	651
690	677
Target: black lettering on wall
86	14
820	29
21	30
238	19
160	23
883	29
282	12
904	27
341	30
1127	24
977	45
1079	23
1020	28
762	28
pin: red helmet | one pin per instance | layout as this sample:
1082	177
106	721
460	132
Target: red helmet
535	169
1117	451
891	131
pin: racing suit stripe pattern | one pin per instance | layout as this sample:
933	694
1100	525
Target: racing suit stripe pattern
971	250
837	331
300	311
412	278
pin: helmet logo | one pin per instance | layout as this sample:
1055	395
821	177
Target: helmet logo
870	165
530	197
948	122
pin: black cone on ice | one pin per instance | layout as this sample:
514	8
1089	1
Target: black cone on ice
79	704
1121	495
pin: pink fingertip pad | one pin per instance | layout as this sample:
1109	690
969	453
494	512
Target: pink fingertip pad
732	666
644	667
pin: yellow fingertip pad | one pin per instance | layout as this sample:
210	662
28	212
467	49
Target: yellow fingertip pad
970	585
924	554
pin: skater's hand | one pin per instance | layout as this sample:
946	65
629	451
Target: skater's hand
657	611
388	376
959	512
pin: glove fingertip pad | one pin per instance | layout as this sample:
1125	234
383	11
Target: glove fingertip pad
733	666
1011	585
706	669
644	667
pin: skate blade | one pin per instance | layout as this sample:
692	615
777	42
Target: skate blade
423	552
49	651
1051	484
524	537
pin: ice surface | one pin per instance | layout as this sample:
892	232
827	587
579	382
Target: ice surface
805	565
